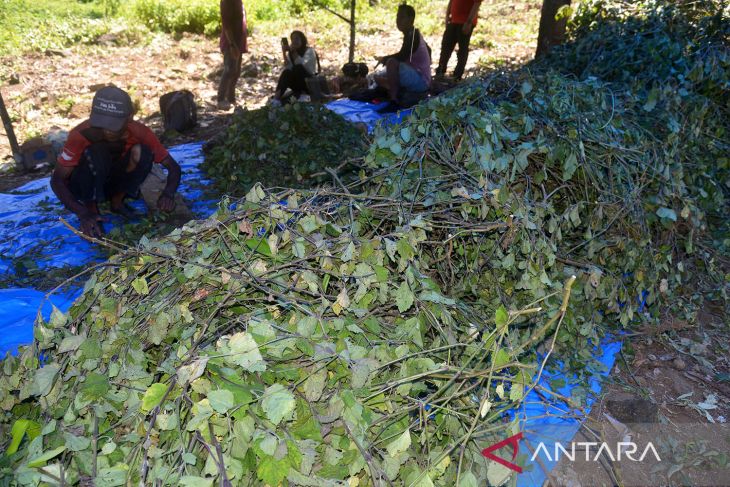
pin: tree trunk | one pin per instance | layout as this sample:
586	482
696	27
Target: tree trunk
352	31
551	32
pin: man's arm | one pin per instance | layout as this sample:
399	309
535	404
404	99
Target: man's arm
448	12
410	44
469	24
60	186
166	202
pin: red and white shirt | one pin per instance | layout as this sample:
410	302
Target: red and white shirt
83	135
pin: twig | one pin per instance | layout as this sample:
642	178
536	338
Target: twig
221	464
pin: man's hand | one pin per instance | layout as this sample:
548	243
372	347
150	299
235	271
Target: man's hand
166	203
90	224
467	27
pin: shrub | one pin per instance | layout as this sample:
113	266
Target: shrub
176	16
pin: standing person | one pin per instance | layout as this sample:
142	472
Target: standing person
232	44
108	157
300	63
461	18
410	68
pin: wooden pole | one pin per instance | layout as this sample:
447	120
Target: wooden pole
7	123
352	31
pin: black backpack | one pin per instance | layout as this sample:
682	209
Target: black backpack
179	111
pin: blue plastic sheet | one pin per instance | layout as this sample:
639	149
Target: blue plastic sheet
30	225
367	113
18	311
543	418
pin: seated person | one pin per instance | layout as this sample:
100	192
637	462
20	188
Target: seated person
301	63
107	157
409	69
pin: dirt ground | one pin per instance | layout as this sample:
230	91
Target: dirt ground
669	386
53	90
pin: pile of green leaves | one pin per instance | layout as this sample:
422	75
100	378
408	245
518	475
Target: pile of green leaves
282	342
376	334
289	146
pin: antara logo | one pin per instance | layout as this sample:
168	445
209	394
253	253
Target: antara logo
624	449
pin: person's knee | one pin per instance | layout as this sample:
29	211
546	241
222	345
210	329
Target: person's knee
140	156
136	154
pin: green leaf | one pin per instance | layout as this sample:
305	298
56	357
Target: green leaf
112	476
498	474
404	249
193	481
140	285
18	431
667	213
400	444
405	134
246	352
314	385
278	403
76	443
516	392
348	253
71	343
167	422
501	317
221	400
190	372
259	245
435	297
42	459
307	326
468	479
44	378
404	297
569	166
256	194
95	386
153	396
272	471
309	223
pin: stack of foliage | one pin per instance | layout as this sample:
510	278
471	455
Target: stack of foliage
376	334
288	146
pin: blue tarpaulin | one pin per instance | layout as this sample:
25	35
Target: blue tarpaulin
30	223
367	113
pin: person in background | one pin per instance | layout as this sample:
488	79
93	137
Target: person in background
410	68
461	18
232	44
300	63
108	157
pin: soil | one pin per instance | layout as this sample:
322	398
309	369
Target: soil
53	90
657	390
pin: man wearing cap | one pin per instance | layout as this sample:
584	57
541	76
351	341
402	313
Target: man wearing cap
107	157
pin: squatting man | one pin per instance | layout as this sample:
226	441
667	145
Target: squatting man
108	157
